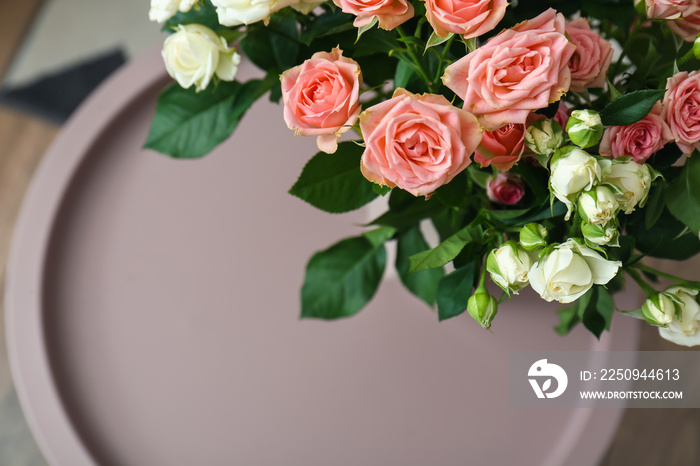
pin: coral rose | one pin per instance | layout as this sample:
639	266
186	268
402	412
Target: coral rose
681	109
590	62
470	18
389	13
639	140
506	189
688	27
417	142
518	71
502	147
321	97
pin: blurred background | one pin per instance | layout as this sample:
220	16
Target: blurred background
53	53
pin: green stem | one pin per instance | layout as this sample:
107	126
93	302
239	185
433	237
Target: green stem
648	290
416	58
646	268
625	48
443	55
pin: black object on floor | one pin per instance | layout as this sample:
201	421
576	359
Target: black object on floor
56	96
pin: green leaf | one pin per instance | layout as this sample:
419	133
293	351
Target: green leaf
597	315
571	315
327	24
403	75
334	182
342	279
409	212
381	190
683	195
367	27
456	192
455	290
630	108
667	239
568	318
654	206
443	253
274	47
379	236
188	124
422	284
437	40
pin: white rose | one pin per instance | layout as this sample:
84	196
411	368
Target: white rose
684	331
599	205
509	266
569	271
573	171
235	12
194	54
163	10
631	182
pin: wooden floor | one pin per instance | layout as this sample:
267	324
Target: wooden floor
646	437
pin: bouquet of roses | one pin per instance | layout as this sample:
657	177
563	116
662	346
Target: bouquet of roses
548	143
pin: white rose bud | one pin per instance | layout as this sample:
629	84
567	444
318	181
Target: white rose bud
573	171
163	10
509	266
661	308
684	330
585	128
598	206
533	236
194	54
236	12
569	270
601	235
482	307
544	137
631	182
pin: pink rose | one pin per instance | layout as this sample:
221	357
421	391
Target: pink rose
417	142
390	13
589	63
502	147
669	9
471	18
518	71
681	109
639	140
505	188
321	97
687	27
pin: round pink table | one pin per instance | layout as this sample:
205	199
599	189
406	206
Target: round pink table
152	318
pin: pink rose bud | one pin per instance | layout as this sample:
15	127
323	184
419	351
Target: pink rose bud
639	140
470	18
502	148
681	109
506	189
321	97
389	13
520	70
589	63
417	142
